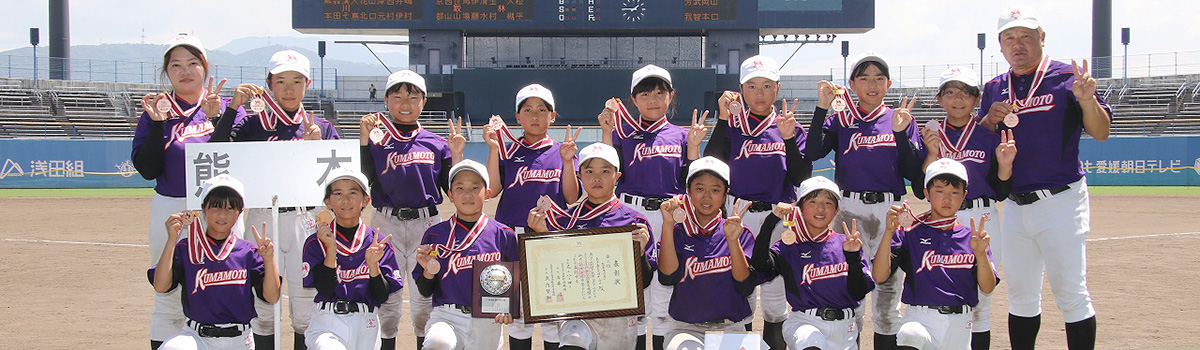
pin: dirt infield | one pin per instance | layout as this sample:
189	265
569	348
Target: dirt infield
73	276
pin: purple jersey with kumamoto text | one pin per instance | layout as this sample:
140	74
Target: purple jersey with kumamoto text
707	277
977	156
866	154
406	172
253	129
526	176
177	131
940	266
219	291
652	162
1049	129
494	242
819	273
758	165
353	274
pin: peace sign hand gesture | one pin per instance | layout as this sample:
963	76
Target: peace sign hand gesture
786	121
1006	151
979	238
697	131
311	130
1085	85
427	258
567	149
903	115
266	249
375	252
853	241
211	103
733	224
456	139
150	105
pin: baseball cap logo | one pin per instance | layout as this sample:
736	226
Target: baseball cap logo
1016	14
757	65
955	71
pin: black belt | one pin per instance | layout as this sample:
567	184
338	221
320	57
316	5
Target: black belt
1031	197
342	307
408	213
949	310
291	209
830	314
461	308
969	204
650	203
214	331
871	197
759	206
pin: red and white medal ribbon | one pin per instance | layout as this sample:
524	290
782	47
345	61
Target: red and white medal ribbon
199	250
177	131
473	234
576	214
1037	82
391	133
627	125
356	243
691	222
803	235
741	121
177	111
961	144
507	150
275	114
851	113
923	218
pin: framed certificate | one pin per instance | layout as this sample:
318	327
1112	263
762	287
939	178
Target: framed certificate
580	274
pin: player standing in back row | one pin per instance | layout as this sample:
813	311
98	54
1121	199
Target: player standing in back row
1047	217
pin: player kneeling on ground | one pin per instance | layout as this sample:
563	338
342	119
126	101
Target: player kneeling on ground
706	268
947	264
824	270
467	237
219	272
351	267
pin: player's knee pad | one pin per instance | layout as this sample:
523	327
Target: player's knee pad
913	334
440	336
576	333
807	336
684	341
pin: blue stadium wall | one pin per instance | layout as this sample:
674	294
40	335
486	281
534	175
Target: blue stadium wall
35	163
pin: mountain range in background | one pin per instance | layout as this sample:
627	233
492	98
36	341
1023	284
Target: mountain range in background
346	59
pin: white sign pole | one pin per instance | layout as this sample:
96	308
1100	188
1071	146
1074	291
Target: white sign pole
275	255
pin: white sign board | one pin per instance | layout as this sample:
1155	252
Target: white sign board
295	171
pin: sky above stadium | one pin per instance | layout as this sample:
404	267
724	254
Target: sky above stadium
909	32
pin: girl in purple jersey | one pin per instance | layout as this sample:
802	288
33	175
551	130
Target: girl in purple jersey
825	272
169	121
706	266
657	154
218	273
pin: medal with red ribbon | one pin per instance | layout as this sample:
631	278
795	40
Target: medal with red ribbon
472	235
507	150
392	133
924	218
691	222
356	242
851	113
796	218
627	125
274	114
576	214
1039	76
741	121
201	250
175	110
961	144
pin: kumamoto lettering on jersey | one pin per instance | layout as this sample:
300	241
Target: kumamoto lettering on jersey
397	159
816	273
652	161
536	175
526	176
457	251
975	152
707	278
407	171
931	260
641	152
749	148
1051	123
205	279
220	287
177	131
858	140
353	273
940	263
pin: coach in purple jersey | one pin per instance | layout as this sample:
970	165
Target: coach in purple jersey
947	264
705	265
169	121
656	153
351	267
407	167
824	272
987	158
1047	217
445	264
875	151
763	147
219	274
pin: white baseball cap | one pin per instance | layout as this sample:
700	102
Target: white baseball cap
759	67
960	74
185	40
818	183
472	166
343	173
290	61
599	150
1020	16
535	90
868	56
649	71
406	76
223	180
709	163
945	166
